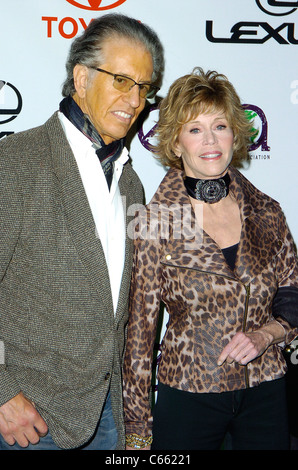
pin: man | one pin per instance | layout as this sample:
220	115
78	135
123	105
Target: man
65	261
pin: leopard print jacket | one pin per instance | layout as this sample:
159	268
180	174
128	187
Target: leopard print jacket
207	302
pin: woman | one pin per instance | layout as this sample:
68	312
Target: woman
221	367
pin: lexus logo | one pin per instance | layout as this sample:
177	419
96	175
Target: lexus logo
278	7
96	5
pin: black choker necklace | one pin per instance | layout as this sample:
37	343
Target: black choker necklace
210	191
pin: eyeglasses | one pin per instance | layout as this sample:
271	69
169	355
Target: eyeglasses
125	84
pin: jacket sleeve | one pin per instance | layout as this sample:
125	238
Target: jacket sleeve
143	319
10	226
285	303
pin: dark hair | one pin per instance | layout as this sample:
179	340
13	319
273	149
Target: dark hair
87	48
194	94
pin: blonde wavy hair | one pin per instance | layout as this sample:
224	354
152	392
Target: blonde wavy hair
194	94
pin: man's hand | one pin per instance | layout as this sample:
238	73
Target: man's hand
20	422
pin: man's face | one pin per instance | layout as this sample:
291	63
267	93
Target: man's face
111	111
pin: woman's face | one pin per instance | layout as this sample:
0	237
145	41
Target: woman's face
205	145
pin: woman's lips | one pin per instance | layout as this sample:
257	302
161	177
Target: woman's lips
211	156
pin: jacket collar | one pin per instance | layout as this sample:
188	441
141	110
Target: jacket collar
257	242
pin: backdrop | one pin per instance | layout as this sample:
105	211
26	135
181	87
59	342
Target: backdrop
253	42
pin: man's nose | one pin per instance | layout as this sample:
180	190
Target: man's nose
133	96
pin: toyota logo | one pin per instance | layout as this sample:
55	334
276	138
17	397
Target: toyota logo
96	5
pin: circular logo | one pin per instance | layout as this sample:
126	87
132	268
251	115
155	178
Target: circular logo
278	7
145	135
9	96
96	5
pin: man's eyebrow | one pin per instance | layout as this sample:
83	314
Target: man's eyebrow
125	75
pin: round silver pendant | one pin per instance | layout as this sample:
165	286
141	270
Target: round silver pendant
211	191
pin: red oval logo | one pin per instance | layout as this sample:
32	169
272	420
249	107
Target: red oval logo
94	5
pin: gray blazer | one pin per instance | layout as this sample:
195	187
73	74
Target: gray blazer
63	344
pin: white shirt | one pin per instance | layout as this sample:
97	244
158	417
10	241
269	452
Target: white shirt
106	206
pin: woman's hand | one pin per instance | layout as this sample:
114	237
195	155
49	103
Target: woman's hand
244	347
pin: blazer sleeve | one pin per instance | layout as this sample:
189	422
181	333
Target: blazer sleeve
143	318
11	203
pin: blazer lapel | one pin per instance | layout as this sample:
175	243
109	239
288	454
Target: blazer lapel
77	212
126	190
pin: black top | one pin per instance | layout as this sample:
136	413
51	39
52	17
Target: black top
230	254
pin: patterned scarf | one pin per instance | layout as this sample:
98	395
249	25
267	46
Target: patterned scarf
107	154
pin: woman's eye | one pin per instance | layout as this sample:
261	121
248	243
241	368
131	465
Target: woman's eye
194	131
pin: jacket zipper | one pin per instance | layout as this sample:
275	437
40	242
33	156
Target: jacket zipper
247	289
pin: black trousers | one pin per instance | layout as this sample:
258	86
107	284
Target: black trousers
253	419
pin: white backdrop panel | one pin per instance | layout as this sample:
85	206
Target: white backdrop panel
251	41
